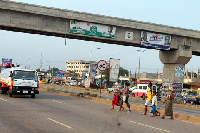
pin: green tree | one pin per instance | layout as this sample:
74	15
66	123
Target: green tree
74	74
52	70
122	72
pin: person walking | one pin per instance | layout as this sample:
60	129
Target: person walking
148	101
169	104
125	93
154	105
116	97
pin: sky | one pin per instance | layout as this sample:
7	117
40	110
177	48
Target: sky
26	49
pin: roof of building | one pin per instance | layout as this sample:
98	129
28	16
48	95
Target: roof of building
81	61
64	72
197	83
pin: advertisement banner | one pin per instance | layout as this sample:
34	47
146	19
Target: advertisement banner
114	69
179	72
92	29
177	89
158	41
58	75
6	63
83	75
93	68
87	82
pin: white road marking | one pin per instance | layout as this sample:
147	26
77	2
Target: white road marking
189	122
3	99
58	102
150	126
59	123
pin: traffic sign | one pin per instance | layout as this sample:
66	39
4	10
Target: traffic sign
102	65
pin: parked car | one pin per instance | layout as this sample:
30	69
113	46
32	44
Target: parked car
191	97
132	88
73	82
184	91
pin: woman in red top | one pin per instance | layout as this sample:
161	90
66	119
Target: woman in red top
116	97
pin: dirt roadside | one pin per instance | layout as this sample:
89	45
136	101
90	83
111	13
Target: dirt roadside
104	91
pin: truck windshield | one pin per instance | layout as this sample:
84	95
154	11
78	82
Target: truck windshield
26	75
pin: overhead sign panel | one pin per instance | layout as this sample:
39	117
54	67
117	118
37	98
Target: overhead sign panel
92	29
158	41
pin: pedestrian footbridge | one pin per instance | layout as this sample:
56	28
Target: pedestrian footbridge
176	45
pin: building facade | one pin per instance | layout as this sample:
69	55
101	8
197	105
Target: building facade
79	66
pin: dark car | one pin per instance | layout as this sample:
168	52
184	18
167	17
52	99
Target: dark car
191	98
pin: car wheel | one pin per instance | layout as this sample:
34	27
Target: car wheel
192	102
32	95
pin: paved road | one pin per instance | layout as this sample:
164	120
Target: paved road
182	110
51	113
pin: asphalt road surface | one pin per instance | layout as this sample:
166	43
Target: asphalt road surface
177	109
51	113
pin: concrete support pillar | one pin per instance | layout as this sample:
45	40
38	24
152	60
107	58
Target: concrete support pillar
174	63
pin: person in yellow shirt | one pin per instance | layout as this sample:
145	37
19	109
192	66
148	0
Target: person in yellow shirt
148	100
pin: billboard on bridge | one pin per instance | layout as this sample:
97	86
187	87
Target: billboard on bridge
92	29
158	41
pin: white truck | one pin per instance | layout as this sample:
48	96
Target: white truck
19	81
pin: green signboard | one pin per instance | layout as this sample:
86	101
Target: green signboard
88	28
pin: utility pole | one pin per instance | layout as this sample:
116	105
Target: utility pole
29	62
91	57
49	68
52	71
41	61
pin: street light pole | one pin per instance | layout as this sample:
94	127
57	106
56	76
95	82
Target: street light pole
91	57
139	62
29	62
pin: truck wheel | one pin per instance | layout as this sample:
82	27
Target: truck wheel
3	90
11	94
32	95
